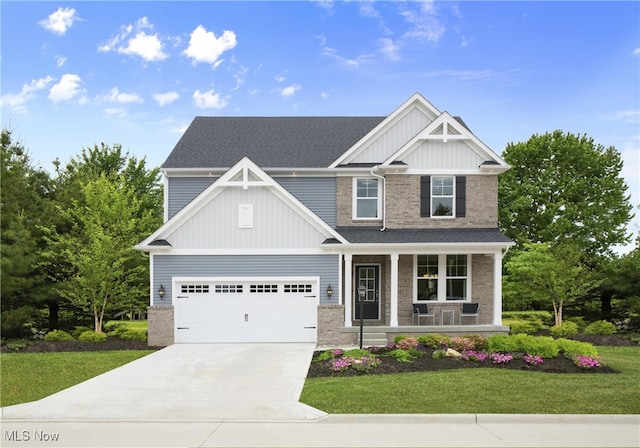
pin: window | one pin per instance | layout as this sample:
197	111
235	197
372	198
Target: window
194	289
366	199
442	277
228	289
456	277
261	289
427	277
298	288
442	196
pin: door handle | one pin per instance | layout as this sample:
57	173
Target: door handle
246	317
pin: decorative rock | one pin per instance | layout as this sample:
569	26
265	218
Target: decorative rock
452	353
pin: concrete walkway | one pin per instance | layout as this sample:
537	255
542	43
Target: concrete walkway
238	395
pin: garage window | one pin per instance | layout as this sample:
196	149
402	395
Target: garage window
298	288
228	289
260	289
194	289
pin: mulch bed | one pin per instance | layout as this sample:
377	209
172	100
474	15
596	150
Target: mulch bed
40	346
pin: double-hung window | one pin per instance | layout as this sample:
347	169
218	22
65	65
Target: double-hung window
442	277
442	195
366	198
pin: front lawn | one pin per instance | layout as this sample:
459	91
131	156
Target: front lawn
32	376
490	390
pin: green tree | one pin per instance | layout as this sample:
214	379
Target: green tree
25	205
538	272
563	188
106	222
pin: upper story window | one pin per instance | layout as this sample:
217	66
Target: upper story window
443	196
366	198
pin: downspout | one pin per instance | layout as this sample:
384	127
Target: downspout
384	197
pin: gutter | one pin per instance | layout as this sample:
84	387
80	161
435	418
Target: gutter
384	197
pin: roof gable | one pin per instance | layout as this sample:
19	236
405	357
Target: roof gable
244	175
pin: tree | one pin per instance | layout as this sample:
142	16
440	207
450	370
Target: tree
564	188
538	272
106	222
25	205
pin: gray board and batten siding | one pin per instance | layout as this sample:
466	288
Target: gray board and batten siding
317	193
165	267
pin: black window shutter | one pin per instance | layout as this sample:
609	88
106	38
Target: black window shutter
461	196
425	196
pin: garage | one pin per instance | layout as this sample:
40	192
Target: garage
264	309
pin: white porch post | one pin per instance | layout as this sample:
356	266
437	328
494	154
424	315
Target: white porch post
497	288
348	289
394	290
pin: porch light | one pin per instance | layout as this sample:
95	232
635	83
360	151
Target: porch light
161	291
329	291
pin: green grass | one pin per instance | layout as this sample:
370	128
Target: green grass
492	391
27	377
133	324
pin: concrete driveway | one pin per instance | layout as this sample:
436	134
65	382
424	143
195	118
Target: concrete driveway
249	382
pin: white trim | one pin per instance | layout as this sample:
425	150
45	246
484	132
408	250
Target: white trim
165	199
393	306
348	289
151	285
442	275
283	251
497	288
245	216
453	199
422	248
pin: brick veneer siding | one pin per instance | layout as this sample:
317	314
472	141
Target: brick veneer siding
482	287
160	333
403	204
330	326
344	204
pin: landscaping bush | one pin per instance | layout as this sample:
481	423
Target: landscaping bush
579	321
399	338
133	335
114	327
601	328
17	323
461	344
432	340
543	346
479	342
533	316
404	355
564	330
58	336
79	330
502	343
525	327
92	336
407	343
571	348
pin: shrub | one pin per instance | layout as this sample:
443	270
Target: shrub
543	346
502	343
432	340
92	336
407	343
526	327
564	330
18	322
479	342
404	355
357	353
437	354
461	344
114	327
533	316
58	336
571	348
79	330
600	327
133	335
578	320
399	338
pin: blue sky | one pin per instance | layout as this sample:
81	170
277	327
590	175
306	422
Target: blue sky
75	74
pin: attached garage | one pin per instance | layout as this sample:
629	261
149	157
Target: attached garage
265	309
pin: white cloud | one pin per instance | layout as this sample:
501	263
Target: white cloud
389	49
626	116
17	101
348	63
424	24
115	96
164	99
289	91
280	78
208	100
67	89
60	21
133	40
117	112
204	46
60	61
636	52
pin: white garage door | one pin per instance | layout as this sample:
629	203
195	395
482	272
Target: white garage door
245	310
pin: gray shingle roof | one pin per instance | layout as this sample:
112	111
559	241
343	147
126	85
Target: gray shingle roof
270	142
373	235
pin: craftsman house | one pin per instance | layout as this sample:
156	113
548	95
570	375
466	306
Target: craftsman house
294	229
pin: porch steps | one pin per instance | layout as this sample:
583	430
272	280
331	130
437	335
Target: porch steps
371	339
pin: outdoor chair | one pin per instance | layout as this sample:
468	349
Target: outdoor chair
421	310
469	310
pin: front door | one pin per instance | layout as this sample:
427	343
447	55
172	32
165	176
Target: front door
369	277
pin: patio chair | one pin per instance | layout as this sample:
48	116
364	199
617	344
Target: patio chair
469	310
421	310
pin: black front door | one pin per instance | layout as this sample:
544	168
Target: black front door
369	277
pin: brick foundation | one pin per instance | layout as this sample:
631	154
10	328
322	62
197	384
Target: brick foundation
331	327
160	326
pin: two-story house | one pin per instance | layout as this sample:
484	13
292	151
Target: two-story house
272	224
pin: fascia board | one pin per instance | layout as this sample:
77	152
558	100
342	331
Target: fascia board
419	248
416	100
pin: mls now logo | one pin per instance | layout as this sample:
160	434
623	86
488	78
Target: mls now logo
25	436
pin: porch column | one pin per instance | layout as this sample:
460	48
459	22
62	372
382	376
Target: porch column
497	288
348	289
394	291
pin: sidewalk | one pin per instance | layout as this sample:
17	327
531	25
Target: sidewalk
466	430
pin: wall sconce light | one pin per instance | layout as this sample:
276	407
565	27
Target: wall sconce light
161	291
329	291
